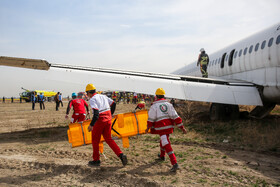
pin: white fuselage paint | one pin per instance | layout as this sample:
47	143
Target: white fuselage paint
260	66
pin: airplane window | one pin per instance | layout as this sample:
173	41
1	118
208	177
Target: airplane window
223	60
231	57
251	49
257	46
226	58
240	52
245	51
278	40
235	55
270	42
263	44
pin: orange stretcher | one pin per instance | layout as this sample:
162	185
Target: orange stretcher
123	126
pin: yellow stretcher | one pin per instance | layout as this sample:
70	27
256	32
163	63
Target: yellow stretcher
123	126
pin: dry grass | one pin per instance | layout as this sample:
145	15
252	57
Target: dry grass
251	133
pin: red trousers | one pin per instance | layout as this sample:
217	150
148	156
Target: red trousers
103	128
167	149
78	117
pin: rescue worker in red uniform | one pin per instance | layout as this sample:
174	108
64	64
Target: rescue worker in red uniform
79	106
161	120
141	105
103	109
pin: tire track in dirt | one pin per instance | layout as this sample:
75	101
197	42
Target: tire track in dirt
55	154
72	173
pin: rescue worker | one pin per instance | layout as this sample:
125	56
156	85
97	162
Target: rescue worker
33	100
103	109
41	100
161	119
79	106
140	105
203	60
134	98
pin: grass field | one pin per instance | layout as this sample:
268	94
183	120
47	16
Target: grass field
35	151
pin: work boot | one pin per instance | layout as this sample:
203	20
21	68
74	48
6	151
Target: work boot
174	168
160	159
94	163
123	159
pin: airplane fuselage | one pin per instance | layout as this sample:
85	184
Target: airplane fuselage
255	59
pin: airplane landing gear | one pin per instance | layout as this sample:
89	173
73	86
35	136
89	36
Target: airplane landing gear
260	112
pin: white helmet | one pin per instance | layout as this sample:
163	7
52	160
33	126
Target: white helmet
202	49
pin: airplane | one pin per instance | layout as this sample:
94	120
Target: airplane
255	59
245	73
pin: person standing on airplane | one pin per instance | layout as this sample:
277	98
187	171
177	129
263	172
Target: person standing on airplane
161	119
203	60
103	109
79	106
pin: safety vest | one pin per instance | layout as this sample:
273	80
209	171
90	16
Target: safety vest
162	117
203	59
102	103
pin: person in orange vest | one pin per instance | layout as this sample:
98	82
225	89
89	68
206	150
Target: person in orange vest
79	106
161	119
103	109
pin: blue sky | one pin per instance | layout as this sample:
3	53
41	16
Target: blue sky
144	35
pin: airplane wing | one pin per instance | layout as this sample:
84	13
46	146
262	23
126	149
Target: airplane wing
24	63
175	86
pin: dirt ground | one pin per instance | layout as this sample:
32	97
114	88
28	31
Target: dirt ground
35	151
